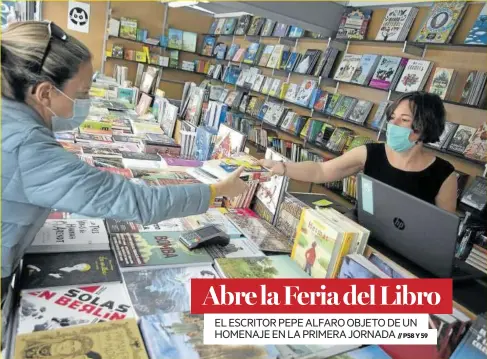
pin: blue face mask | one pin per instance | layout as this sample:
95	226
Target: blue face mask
81	110
398	138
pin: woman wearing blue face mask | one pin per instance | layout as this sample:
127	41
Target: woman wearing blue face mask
46	77
413	119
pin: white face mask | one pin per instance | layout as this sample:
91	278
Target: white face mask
81	109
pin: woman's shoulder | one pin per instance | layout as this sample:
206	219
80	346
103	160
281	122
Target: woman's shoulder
375	146
443	166
375	149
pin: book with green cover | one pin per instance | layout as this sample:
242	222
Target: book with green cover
154	249
128	28
277	266
316	244
342	108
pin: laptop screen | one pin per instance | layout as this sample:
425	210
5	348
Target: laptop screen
419	231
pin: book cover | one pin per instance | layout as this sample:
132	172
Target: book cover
353	24
63	269
478	33
396	24
441	21
128	28
475	195
165	290
353	268
251	53
365	69
141	156
229	26
232	51
54	308
115	339
441	82
412	78
360	111
305	92
281	30
477	146
215	216
229	142
473	344
384	74
268	27
448	132
266	236
180	336
237	248
288	216
256	26
208	45
315	245
461	138
347	67
269	193
367	352
147	249
175	39
243	24
70	235
276	266
169	225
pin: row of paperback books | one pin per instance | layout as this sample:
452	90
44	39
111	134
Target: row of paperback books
248	113
398	21
402	75
458	139
395	26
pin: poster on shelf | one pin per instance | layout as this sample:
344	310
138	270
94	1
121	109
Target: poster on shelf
79	16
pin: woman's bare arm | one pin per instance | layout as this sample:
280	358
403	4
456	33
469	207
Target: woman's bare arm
336	169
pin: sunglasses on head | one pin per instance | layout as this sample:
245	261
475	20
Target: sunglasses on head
54	32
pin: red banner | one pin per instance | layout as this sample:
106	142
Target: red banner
392	296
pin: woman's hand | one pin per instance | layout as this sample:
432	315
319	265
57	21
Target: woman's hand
276	167
232	186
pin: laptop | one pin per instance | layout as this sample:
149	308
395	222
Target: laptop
417	230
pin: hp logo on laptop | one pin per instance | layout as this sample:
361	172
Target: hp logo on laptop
399	223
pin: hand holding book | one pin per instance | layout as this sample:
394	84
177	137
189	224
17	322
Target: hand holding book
275	167
232	186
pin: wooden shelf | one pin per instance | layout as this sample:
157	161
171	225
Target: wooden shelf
161	47
286	38
424	45
159	66
453	154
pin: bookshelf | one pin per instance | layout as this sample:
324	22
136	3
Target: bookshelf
157	18
461	57
154	65
320	116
